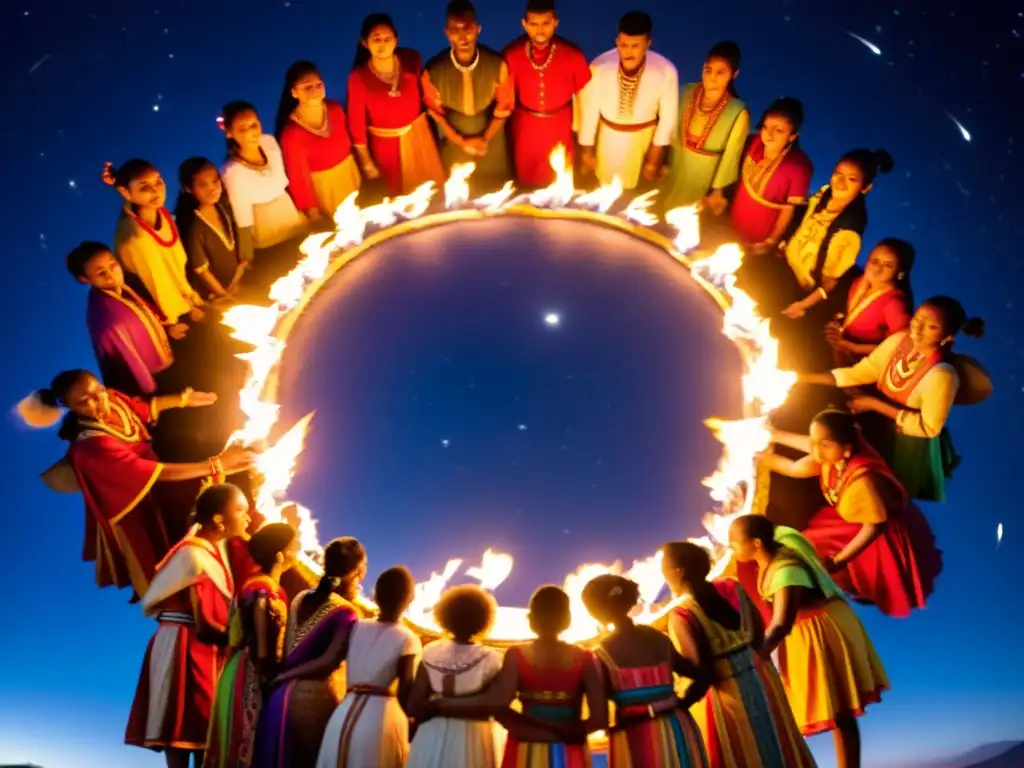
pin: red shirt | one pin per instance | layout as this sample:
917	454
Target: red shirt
305	153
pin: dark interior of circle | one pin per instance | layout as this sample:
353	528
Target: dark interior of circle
453	414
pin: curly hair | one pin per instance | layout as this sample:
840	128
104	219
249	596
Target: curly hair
466	612
550	611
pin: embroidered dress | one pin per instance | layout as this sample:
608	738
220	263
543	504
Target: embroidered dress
827	662
922	455
179	672
212	245
766	188
368	729
295	714
129	340
745	718
707	146
239	696
650	729
623	116
826	244
448	742
872	315
157	258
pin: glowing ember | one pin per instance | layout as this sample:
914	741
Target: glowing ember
731	485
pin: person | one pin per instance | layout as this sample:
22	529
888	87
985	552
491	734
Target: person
551	679
629	108
827	242
369	728
713	126
652	726
208	228
189	597
548	74
878	303
828	665
389	128
876	545
256	629
313	133
111	462
257	184
745	719
312	678
468	93
775	177
147	241
458	664
918	382
129	337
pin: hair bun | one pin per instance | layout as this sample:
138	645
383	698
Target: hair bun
884	160
973	328
40	409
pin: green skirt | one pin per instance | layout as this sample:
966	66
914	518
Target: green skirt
923	464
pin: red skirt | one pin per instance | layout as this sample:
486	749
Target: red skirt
176	686
896	572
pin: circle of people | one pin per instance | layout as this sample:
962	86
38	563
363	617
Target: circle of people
245	671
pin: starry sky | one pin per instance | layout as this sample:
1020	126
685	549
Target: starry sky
450	416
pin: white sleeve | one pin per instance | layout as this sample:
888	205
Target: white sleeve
236	185
590	107
668	107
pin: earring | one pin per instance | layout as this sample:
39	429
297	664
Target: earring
899	276
846	455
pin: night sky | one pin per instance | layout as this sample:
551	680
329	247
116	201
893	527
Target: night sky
450	416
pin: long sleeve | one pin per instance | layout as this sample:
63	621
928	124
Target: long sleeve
355	110
729	166
843	249
939	387
296	167
114	344
590	108
870	369
241	202
668	109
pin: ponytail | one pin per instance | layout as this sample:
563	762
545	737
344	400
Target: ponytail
41	409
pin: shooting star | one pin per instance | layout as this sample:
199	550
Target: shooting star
40	63
866	43
999	534
963	131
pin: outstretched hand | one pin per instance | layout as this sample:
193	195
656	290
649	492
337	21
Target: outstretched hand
193	399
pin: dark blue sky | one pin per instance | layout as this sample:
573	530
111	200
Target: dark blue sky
434	345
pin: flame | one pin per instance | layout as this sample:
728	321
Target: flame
731	485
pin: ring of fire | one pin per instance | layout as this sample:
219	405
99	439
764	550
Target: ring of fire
736	486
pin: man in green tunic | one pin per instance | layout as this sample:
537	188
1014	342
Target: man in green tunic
467	90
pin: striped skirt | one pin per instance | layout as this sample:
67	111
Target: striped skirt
532	754
671	740
235	713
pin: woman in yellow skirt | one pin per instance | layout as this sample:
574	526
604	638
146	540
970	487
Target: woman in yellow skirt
828	665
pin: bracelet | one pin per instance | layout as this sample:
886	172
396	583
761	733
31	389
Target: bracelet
186	397
217	470
822	292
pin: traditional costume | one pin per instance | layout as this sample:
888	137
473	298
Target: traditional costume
259	196
826	244
895	572
294	714
213	246
745	718
457	670
388	119
321	169
239	697
924	388
469	97
179	675
873	315
827	663
707	146
129	340
624	115
650	729
545	83
157	258
369	729
766	188
549	694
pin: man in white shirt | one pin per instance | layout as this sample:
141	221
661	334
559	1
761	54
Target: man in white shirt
629	107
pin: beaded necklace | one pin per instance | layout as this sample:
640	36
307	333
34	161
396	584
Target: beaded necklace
547	62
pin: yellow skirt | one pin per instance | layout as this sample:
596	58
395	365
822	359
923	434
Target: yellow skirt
276	222
829	667
335	184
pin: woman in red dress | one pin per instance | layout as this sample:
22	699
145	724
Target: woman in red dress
775	177
111	462
878	547
551	678
313	134
189	597
878	305
386	118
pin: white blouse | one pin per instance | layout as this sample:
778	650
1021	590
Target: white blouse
248	187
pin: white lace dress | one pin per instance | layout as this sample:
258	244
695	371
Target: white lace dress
449	743
369	728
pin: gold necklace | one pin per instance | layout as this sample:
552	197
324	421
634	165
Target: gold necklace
464	67
324	131
263	168
393	79
629	86
547	61
227	238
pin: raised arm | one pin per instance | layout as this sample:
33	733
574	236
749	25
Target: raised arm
801	469
792	440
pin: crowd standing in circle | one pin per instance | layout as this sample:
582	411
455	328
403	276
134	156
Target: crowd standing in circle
254	664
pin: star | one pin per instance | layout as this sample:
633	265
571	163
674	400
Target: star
522	427
445	442
552	319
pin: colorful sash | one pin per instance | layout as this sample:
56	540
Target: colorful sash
902	375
